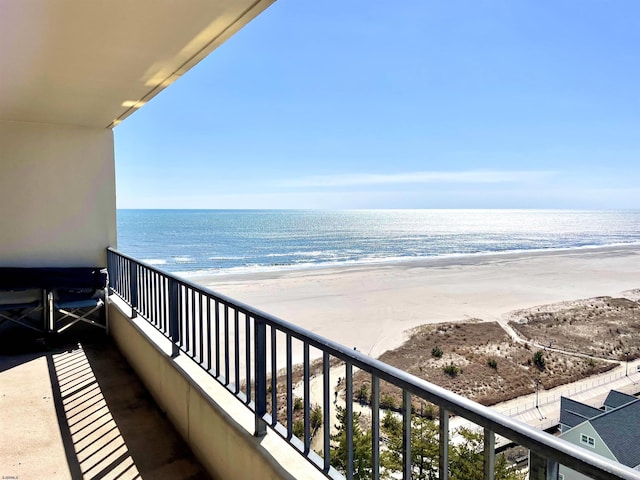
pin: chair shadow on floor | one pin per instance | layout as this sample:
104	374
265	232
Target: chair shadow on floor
109	425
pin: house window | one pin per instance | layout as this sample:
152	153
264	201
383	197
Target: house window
587	440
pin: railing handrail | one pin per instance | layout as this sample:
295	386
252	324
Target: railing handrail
546	445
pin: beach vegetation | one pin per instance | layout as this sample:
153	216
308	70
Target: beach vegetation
452	370
388	402
316	418
538	360
363	393
391	424
424	448
429	411
298	429
361	446
297	404
492	362
437	352
466	458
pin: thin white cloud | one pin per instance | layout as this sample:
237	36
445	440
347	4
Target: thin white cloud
470	176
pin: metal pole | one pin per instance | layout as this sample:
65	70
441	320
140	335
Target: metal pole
626	367
443	440
174	319
260	374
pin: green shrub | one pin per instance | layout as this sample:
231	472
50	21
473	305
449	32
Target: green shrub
452	370
363	393
391	424
436	352
297	404
538	360
316	417
492	363
298	429
388	402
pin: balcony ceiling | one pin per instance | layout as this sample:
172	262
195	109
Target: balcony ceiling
92	63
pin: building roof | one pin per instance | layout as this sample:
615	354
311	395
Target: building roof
620	430
574	413
617	399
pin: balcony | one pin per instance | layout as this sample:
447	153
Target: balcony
239	347
209	362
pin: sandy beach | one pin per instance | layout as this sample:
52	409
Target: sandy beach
372	307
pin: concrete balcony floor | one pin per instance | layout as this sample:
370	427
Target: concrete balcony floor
70	407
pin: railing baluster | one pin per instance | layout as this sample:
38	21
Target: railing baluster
260	376
375	426
289	388
274	378
406	435
326	410
236	350
193	324
226	344
208	316
165	292
216	305
185	316
174	323
165	313
489	454
443	439
181	317
349	418
147	290
247	321
200	355
307	398
133	289
156	299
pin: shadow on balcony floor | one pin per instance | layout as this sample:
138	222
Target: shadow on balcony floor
70	407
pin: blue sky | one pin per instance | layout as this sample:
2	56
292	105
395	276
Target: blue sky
412	104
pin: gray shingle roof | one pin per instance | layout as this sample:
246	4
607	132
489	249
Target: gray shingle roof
573	413
620	430
616	399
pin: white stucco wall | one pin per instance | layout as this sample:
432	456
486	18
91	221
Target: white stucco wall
57	195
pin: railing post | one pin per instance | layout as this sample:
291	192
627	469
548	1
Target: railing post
443	438
260	363
174	324
306	367
489	454
133	288
348	373
326	410
375	426
406	435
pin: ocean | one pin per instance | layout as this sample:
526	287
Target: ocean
213	242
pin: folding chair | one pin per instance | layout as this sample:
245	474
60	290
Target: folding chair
86	302
24	307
